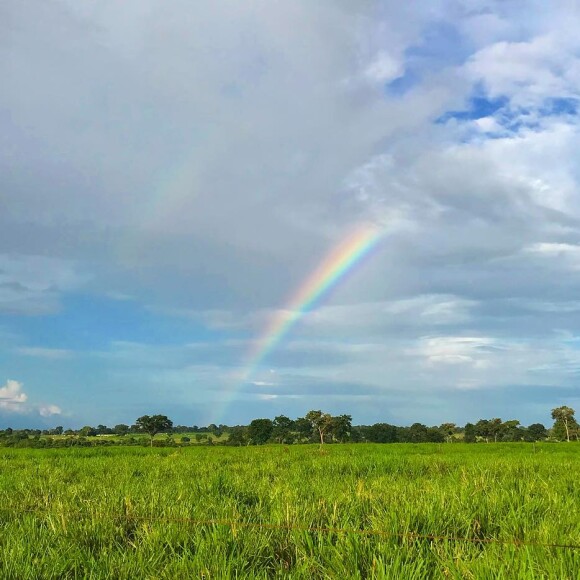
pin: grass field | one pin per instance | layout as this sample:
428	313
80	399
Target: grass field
132	512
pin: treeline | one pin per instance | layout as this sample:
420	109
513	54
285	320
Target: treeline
314	427
324	428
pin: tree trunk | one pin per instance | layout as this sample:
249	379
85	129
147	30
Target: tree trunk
567	432
321	432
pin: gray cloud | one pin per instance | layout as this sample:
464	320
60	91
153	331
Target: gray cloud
196	153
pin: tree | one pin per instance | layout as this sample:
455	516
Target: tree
282	429
320	422
536	432
260	430
381	433
121	429
483	429
237	436
340	427
469	433
356	435
495	428
88	431
448	430
153	425
418	433
303	427
435	435
511	431
564	416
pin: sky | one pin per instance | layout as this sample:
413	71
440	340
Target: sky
173	176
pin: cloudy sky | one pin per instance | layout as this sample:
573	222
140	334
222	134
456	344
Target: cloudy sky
172	173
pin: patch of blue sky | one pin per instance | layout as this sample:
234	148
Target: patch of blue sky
90	322
477	107
560	106
441	45
403	84
513	122
512	119
440	42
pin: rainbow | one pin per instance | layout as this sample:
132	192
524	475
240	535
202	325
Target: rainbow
337	264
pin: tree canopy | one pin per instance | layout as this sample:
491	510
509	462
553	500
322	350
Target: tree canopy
153	424
260	430
565	422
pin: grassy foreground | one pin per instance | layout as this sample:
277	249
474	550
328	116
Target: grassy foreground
125	512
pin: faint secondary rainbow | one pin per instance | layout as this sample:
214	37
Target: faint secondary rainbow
334	268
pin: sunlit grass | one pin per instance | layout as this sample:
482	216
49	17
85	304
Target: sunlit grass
127	512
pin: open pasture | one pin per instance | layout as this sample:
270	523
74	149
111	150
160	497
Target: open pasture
162	513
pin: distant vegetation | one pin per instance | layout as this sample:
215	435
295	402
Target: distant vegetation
314	427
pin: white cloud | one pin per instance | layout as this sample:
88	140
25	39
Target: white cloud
418	311
49	410
566	255
46	353
219	319
422	310
384	68
565	306
431	366
12	398
528	72
489	125
456	350
266	396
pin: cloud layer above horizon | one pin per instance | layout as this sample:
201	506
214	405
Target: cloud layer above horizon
170	177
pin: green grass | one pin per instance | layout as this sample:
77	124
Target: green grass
124	512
